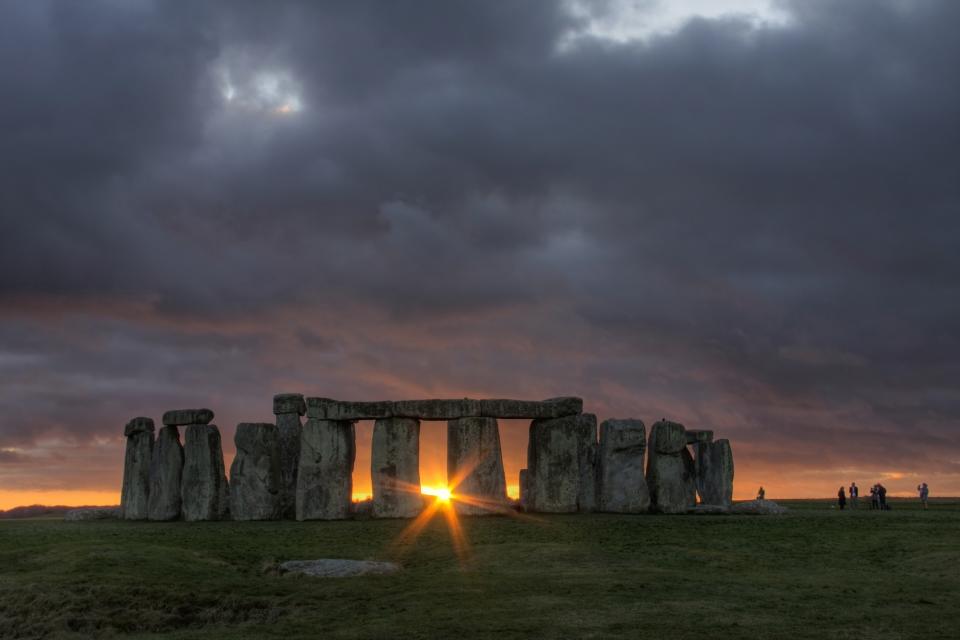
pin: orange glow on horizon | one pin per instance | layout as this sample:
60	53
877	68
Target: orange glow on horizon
64	497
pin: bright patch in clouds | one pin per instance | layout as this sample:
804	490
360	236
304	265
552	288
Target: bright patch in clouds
626	20
271	92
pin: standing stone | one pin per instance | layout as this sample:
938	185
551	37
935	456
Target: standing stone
255	473
395	468
668	473
135	493
715	473
204	490
561	464
325	472
166	466
524	488
475	466
587	461
623	486
288	407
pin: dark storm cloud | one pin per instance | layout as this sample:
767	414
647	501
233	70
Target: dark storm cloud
752	228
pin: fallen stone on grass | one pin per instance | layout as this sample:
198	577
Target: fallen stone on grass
338	568
758	508
95	513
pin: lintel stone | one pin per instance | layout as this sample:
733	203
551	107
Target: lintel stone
329	409
289	403
184	417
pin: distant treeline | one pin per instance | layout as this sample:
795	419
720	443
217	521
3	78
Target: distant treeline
41	510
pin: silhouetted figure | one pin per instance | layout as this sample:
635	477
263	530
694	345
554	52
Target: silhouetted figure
854	495
761	494
882	492
874	497
841	498
924	494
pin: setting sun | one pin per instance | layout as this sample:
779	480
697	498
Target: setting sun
442	494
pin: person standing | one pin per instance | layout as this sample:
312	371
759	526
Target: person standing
854	495
874	497
841	498
761	494
882	492
924	494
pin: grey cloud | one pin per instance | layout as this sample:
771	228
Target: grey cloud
751	225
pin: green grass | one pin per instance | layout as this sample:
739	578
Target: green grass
816	573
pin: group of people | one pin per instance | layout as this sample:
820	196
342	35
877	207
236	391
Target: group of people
878	496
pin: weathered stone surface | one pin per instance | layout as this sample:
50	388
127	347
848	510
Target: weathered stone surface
667	437
335	568
715	472
524	488
587	460
435	409
475	466
135	491
255	473
758	508
670	470
325	472
329	409
166	466
523	409
695	436
288	430
395	468
561	464
623	484
553	474
138	425
289	403
204	491
183	417
92	513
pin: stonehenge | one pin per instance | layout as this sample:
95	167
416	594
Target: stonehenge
255	473
184	417
325	472
669	470
561	464
395	468
135	491
287	470
327	409
475	466
204	492
288	407
714	472
166	467
623	484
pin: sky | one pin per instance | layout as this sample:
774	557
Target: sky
743	216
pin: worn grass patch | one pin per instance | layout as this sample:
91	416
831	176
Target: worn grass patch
816	573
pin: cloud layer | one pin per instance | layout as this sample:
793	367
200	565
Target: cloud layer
745	226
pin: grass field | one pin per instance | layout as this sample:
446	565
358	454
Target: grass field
816	573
